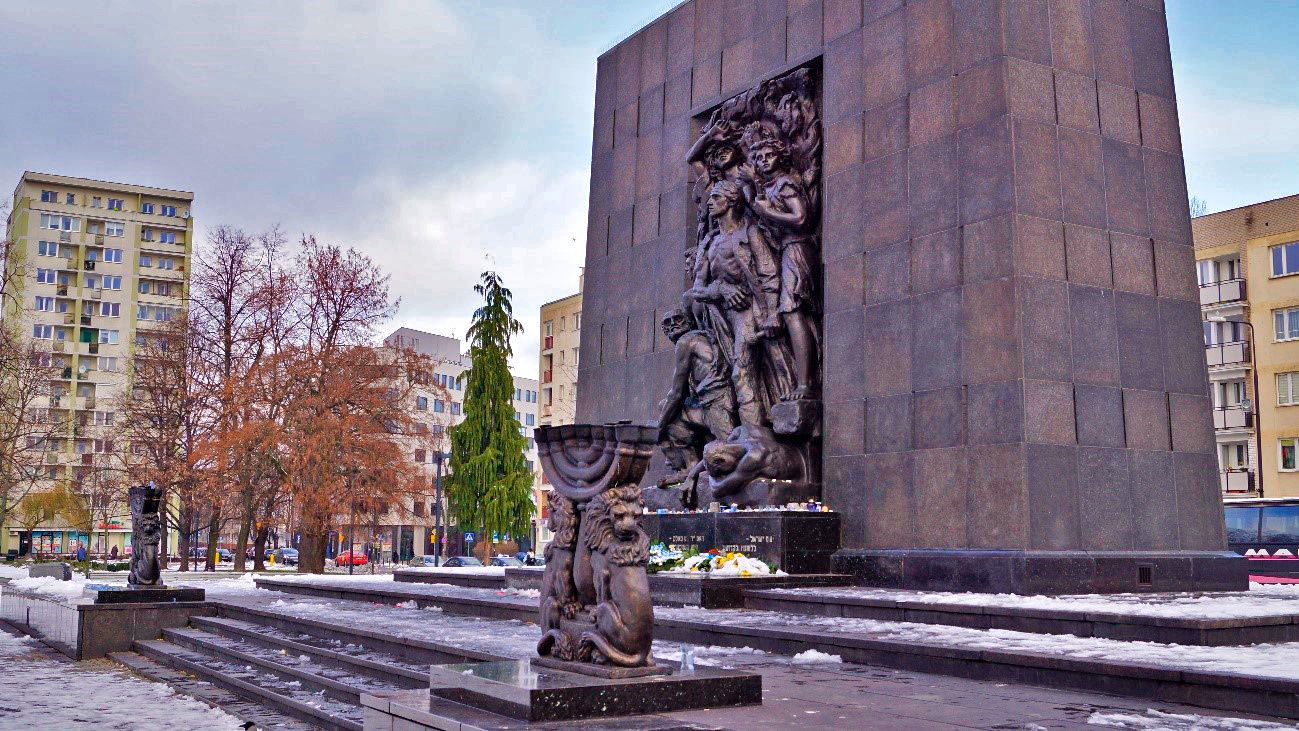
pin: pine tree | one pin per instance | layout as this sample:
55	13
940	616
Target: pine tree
490	487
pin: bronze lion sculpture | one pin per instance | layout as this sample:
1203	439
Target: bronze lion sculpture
623	614
560	600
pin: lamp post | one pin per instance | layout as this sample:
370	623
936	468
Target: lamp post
437	507
1247	404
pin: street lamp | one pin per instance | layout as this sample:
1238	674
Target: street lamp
437	507
1246	404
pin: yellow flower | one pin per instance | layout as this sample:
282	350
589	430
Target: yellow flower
744	573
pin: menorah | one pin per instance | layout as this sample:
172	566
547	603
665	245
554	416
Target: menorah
595	605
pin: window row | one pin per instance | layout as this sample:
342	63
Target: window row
157	313
524	395
165	289
165	237
161	262
447	381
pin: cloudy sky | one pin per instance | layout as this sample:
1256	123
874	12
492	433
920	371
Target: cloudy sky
445	137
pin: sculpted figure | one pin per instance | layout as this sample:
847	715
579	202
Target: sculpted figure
560	598
699	406
146	535
748	454
778	198
736	292
623	614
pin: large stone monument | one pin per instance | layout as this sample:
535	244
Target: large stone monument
144	583
939	255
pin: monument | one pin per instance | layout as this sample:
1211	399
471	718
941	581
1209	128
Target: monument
144	583
928	262
596	615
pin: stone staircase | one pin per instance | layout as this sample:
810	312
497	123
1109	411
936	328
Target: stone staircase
306	671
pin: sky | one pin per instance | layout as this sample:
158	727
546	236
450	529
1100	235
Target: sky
446	137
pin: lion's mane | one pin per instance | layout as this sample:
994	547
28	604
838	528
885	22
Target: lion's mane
601	536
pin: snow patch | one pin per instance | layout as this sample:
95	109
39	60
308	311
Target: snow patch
1159	721
816	657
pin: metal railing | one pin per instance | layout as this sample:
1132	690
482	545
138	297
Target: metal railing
1231	417
55	621
1236	351
1228	290
1237	480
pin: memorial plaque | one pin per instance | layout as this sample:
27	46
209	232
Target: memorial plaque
797	542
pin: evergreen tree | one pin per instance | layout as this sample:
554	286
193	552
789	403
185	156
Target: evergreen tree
490	487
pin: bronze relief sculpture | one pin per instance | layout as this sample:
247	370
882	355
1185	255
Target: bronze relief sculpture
752	306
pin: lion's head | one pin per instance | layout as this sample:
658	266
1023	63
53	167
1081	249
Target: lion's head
615	530
563	521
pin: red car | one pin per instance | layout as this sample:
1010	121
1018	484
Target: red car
346	557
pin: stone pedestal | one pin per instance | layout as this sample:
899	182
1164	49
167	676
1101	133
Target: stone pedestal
114	594
522	690
797	542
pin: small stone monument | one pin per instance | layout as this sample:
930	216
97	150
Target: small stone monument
145	581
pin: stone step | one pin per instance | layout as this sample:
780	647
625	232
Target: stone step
409	650
267	688
248	711
381	666
293	668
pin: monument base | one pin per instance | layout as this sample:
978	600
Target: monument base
522	690
113	594
796	541
1044	572
601	671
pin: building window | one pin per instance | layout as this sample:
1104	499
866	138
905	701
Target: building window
107	363
115	204
1287	323
529	419
47	248
419	456
577	321
421	403
103	418
455	408
49	196
45	276
550	328
60	223
167	237
95	202
421	427
146	208
518	394
1285	259
165	263
110	309
438	406
146	261
112	282
113	255
45	304
146	234
70	199
114	228
43	332
169	211
1287	454
1287	389
108	337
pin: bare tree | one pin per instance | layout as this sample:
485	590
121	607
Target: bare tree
1198	206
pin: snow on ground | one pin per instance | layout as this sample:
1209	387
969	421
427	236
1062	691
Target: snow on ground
815	657
1154	720
461	571
1262	600
12	572
1272	660
50	586
43	692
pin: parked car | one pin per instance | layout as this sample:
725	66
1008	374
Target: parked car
287	556
425	560
456	562
506	561
348	558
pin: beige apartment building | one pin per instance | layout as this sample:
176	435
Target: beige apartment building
93	262
1248	266
561	334
435	406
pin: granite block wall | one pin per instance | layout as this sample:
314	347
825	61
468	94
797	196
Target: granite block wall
1013	358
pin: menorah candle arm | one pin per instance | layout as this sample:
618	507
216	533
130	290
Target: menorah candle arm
571	470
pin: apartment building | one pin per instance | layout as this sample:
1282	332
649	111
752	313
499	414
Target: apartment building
436	405
1248	267
94	261
561	332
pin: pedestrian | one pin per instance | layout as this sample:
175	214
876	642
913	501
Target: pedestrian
81	552
113	553
531	560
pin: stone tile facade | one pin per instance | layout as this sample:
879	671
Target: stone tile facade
1012	347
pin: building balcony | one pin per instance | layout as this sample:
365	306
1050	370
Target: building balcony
88	402
89	265
69	319
70	264
1227	354
545	410
1232	417
548	342
65	237
1229	290
1236	481
547	376
58	346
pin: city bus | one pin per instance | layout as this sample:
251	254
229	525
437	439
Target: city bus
1266	531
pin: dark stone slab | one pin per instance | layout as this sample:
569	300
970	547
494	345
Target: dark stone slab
61	571
726	592
1044	572
798	542
608	672
109	594
519	689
